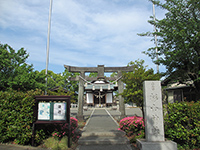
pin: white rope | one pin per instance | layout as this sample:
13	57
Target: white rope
118	78
85	80
99	95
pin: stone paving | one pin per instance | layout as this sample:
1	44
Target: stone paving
115	113
101	132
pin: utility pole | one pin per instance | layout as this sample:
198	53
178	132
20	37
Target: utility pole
154	17
48	43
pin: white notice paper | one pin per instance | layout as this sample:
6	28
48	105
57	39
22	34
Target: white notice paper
43	111
59	111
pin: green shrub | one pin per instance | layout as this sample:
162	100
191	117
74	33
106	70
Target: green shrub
16	116
133	126
182	124
61	130
59	138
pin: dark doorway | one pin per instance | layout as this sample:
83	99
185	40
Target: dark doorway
102	98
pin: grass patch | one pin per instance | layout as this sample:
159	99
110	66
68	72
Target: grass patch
56	144
59	144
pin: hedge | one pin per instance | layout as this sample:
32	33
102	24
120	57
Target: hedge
16	116
182	124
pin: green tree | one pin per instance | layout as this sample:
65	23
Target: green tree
178	40
93	74
70	84
63	84
133	91
54	80
16	73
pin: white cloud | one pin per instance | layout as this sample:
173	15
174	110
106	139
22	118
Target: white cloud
83	33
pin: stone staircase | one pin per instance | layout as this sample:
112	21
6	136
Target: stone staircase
103	138
100	133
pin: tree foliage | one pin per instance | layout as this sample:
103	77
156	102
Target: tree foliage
134	82
178	40
61	84
93	74
16	73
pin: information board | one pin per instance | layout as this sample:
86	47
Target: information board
51	110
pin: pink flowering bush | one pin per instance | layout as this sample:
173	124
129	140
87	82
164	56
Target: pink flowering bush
133	126
61	130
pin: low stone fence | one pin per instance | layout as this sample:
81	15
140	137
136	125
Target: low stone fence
74	105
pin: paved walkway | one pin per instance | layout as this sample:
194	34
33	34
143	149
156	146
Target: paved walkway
101	133
115	113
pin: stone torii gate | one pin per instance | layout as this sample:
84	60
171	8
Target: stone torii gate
100	73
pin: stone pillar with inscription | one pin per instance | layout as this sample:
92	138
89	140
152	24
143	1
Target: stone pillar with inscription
153	116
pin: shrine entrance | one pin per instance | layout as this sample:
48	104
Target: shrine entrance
99	92
99	98
94	87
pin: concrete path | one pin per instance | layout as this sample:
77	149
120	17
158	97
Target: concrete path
101	133
115	113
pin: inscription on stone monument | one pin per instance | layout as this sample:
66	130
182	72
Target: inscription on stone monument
153	115
154	129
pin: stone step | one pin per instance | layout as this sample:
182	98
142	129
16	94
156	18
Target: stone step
104	134
104	147
95	140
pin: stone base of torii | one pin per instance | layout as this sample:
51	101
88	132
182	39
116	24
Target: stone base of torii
100	69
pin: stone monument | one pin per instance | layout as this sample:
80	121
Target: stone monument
153	116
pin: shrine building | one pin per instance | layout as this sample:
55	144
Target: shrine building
99	93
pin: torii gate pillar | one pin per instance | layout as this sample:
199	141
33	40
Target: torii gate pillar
121	99
80	97
100	70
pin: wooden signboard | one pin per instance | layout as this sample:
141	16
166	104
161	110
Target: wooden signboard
51	110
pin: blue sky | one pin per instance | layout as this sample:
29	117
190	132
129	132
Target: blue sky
84	33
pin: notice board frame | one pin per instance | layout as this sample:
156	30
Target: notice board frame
49	99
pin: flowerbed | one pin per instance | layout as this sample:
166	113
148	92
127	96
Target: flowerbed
60	135
61	129
133	126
